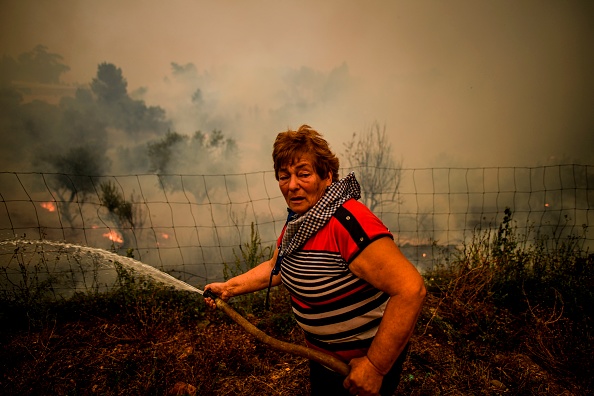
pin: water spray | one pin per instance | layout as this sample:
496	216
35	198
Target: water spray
294	349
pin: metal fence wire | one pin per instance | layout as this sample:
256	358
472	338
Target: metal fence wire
192	226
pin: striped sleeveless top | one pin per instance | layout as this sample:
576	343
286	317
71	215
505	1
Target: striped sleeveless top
338	312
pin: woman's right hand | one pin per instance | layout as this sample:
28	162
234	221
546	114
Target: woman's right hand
218	288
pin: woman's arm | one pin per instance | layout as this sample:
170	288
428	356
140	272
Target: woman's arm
253	280
384	266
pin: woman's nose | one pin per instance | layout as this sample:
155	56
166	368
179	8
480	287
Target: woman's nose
293	183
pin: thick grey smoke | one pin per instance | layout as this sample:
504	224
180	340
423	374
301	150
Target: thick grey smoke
214	129
98	127
195	87
461	83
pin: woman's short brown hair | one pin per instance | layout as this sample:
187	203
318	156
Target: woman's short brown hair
291	145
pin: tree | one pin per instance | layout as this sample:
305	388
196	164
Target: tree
116	205
161	153
370	155
177	154
118	109
110	85
37	65
74	181
124	214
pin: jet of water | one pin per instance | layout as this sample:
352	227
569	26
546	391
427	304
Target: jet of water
144	269
106	257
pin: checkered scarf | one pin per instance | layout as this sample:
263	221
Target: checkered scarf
300	228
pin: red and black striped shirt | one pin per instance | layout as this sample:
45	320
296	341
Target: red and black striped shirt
339	312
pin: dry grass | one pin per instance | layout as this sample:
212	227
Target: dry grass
183	350
155	346
500	320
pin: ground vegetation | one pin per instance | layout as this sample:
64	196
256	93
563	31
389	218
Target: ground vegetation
502	317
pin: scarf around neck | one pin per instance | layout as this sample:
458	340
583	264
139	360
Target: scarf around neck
300	228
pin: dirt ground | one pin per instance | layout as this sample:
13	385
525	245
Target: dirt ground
158	346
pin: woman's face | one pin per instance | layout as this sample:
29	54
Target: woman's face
301	186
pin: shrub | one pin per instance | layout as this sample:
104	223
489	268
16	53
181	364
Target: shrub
504	294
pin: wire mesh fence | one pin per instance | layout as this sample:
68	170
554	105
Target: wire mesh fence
193	226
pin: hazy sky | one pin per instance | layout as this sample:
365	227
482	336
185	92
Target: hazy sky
456	83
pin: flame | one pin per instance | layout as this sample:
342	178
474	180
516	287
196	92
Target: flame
114	236
49	206
164	235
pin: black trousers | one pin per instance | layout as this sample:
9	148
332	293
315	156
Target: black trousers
325	382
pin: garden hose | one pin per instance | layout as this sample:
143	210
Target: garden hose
323	358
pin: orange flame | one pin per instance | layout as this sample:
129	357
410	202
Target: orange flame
164	235
49	206
114	236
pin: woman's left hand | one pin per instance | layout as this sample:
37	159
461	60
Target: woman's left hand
363	379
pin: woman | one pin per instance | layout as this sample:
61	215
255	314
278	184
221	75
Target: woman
353	292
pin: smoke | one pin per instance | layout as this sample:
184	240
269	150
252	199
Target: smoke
95	119
202	88
461	83
209	120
